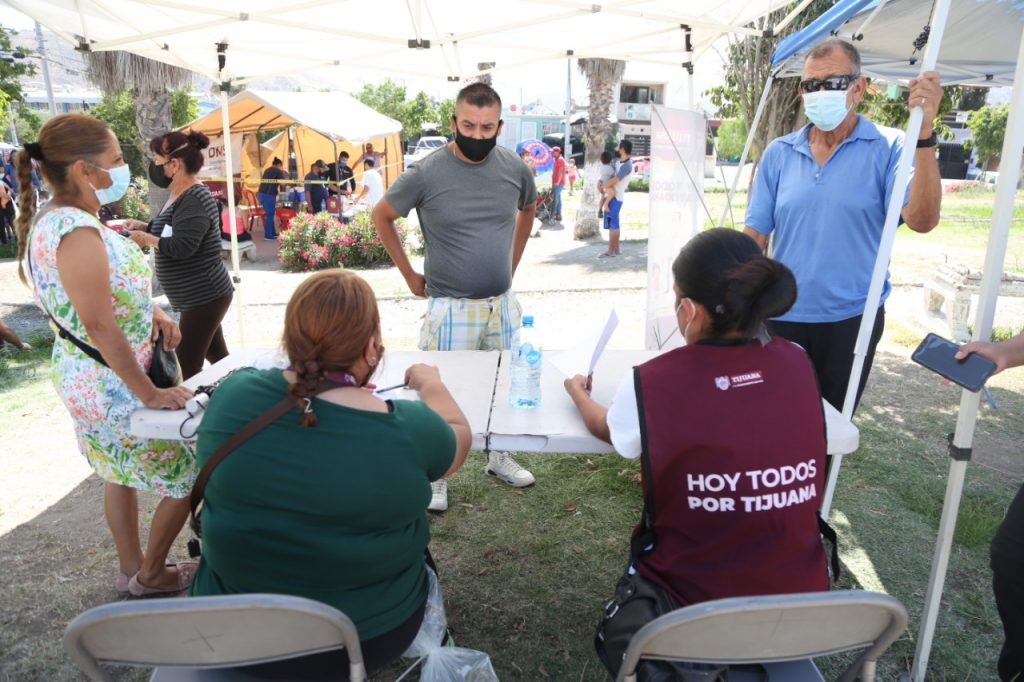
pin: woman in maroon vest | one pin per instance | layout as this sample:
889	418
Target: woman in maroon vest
733	428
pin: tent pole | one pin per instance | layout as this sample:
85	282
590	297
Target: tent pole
746	146
229	171
892	216
567	148
1002	213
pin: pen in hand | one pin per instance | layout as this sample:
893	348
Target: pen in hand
391	388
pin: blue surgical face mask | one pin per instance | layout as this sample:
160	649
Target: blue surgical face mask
826	109
120	177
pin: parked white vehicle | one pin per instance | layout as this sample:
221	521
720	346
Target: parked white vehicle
423	146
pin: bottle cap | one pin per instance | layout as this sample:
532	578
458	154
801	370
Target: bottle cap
527	319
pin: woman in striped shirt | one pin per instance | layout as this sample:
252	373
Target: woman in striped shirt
186	236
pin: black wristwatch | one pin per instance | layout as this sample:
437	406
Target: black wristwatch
929	141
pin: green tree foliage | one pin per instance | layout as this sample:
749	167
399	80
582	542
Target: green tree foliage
184	107
444	112
894	112
390	98
11	72
747	65
28	124
118	112
731	136
967	98
988	126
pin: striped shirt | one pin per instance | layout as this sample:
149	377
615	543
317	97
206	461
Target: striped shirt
188	259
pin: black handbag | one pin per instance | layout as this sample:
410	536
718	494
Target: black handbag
164	370
638	601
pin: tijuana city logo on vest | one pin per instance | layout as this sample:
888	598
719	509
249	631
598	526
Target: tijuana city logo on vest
724	383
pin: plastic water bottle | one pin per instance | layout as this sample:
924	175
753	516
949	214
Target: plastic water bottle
527	358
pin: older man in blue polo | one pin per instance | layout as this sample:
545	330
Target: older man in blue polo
822	194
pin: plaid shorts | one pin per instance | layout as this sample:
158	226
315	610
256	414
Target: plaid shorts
470	323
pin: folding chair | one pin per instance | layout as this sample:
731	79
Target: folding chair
201	638
285	215
253	210
782	632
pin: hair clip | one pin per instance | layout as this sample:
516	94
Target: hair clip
308	409
720	309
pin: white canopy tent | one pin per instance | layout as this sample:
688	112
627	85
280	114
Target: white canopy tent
433	38
890	36
235	42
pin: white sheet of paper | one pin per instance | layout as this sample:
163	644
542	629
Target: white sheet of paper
582	357
168	231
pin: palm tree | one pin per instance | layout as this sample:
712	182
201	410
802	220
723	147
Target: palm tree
150	83
603	78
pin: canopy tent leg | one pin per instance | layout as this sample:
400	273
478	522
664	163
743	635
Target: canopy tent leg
229	171
567	144
746	146
1002	213
867	323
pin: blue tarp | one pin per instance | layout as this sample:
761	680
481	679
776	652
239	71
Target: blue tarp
979	45
819	29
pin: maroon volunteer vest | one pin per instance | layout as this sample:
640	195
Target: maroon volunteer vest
736	440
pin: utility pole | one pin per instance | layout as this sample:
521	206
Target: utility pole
46	70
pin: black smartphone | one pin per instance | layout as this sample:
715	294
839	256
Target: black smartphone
938	355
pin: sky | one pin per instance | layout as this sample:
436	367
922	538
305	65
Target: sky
545	82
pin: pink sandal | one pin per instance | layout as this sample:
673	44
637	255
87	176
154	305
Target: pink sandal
186	569
121	583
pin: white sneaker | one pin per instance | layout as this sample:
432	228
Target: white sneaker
501	465
439	496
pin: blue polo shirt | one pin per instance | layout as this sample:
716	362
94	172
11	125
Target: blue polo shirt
827	219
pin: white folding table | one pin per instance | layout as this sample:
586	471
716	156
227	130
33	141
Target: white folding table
480	385
469	375
556	426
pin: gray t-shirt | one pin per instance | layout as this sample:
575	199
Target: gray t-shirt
467	213
623	172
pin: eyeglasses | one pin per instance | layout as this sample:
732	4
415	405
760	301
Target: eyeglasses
829	84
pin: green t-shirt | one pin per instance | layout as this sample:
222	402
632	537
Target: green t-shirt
336	512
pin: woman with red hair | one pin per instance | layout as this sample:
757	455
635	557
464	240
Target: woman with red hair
329	501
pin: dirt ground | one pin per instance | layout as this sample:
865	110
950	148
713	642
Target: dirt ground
51	505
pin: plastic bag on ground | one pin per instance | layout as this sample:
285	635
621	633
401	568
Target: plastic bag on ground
455	664
445	663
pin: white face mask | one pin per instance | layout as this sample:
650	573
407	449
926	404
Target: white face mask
693	314
826	109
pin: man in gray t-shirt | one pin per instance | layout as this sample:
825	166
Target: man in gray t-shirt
476	204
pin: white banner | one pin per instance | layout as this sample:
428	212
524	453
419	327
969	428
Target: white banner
676	189
213	165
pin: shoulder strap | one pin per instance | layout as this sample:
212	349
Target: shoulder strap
830	534
62	332
232	443
643	539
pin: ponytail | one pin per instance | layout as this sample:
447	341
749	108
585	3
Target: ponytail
26	202
725	271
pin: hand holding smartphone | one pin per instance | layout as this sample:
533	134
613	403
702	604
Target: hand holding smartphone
938	355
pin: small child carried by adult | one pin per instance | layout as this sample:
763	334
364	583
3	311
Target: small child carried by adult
607	173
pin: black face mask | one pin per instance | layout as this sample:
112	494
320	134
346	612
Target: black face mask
157	175
474	149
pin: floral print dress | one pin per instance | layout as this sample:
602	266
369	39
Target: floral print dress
100	403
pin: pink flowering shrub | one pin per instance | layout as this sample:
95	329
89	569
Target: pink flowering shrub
316	242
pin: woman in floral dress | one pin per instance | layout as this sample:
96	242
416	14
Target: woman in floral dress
96	285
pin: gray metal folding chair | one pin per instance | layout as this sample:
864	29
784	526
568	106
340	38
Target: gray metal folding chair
201	638
780	631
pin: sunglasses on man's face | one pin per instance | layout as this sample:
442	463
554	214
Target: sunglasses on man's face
829	84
